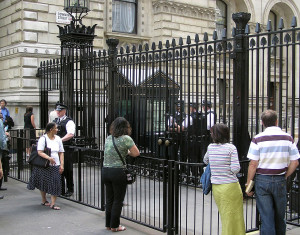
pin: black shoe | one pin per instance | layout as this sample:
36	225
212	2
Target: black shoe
68	194
2	189
1	197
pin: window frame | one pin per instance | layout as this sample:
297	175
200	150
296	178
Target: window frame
134	31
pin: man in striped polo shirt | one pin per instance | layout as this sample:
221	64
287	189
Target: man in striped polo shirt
274	156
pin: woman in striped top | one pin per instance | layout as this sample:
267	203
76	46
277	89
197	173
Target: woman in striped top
224	164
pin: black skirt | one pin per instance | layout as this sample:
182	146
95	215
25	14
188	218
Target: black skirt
46	179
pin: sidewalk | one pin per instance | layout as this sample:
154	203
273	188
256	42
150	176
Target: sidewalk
21	213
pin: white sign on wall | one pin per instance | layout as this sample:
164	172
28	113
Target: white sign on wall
63	17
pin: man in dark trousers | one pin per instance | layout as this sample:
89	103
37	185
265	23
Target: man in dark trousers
66	130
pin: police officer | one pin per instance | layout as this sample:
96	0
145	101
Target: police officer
194	131
178	125
66	130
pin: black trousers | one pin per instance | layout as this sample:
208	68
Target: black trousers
115	182
5	165
67	174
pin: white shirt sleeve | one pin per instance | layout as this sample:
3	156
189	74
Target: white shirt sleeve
210	120
188	121
70	127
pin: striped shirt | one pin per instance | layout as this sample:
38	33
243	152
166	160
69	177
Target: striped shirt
224	163
274	149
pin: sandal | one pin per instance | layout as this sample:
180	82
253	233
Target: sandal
54	207
120	228
46	203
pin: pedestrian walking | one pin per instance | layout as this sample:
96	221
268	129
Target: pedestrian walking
113	171
274	156
224	164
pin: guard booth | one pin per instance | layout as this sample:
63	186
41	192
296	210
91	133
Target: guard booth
146	98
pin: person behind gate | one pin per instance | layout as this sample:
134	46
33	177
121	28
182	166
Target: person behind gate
113	171
66	131
274	156
224	164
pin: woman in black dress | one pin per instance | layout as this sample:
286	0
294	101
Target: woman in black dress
29	127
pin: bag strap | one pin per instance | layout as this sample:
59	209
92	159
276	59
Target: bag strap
45	141
113	140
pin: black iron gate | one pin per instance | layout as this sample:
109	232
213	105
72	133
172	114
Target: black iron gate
239	77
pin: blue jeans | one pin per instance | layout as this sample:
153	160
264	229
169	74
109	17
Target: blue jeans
271	202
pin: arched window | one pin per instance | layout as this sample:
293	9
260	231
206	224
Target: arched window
221	17
124	16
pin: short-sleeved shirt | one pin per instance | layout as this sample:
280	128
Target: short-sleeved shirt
273	149
55	145
111	157
224	163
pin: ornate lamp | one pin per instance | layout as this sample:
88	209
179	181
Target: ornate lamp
78	7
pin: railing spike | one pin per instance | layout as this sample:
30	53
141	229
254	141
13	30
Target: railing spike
153	46
146	47
188	40
281	24
197	39
173	42
257	28
205	37
167	44
180	41
215	35
294	22
247	29
160	45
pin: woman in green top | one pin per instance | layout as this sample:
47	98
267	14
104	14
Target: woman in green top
112	173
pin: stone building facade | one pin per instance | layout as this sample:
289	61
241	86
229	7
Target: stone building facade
28	32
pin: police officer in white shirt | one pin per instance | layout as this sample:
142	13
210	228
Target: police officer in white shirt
66	130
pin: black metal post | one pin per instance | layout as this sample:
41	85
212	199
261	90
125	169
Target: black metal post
112	69
240	58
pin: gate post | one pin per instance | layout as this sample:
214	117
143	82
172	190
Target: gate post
112	69
240	58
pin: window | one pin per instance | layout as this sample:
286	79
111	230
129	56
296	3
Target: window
221	17
124	16
273	19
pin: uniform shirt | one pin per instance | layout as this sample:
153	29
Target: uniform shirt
70	126
210	119
274	149
111	157
55	145
224	163
188	120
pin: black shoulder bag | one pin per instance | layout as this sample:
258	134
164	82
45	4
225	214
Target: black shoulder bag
36	160
131	175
